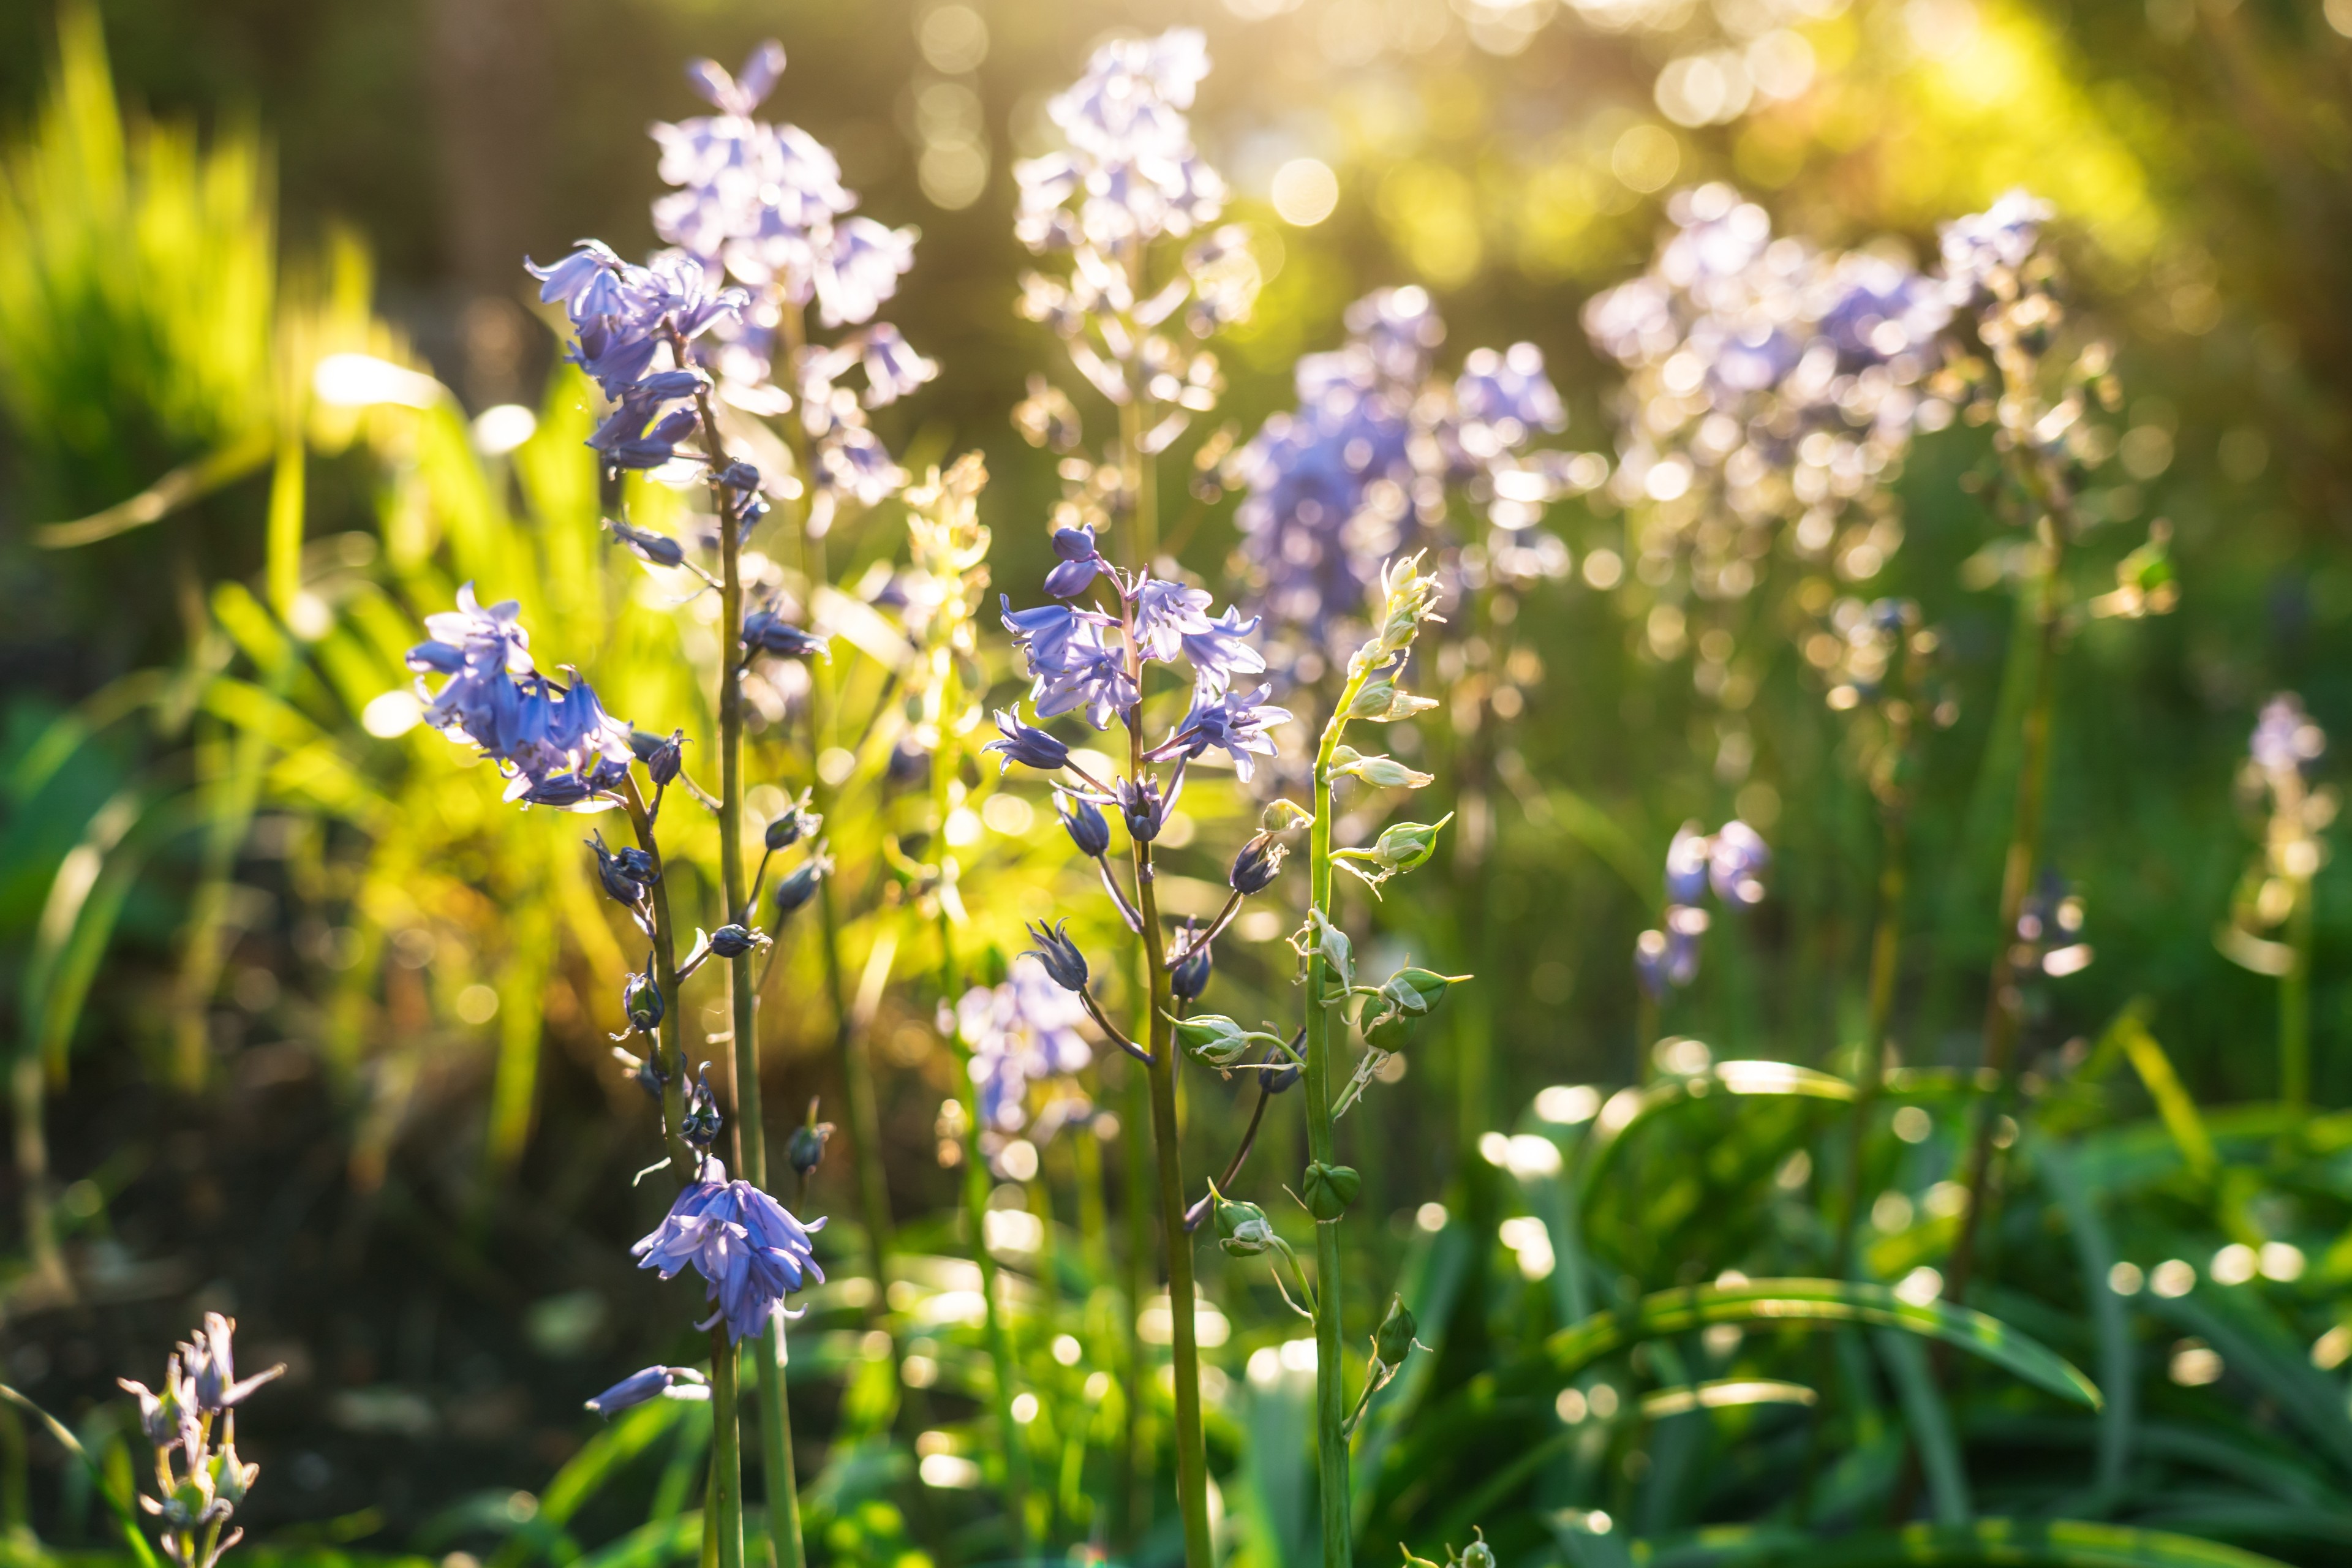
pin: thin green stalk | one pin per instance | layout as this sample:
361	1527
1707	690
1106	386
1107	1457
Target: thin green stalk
2294	1005
669	1051
1134	1500
749	1128
946	763
726	1500
2003	1004
860	1102
1330	1371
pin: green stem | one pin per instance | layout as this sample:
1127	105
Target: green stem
946	763
1134	1500
726	1500
669	1050
2294	1005
2003	1004
751	1130
1330	1371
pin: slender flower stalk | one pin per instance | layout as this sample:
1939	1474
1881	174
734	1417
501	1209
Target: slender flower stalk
2275	894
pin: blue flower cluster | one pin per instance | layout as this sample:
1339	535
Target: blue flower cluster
1732	862
631	326
555	742
1768	384
1089	661
1360	472
746	1245
764	204
1130	172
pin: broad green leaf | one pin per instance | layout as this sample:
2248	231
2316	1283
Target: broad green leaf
2013	1543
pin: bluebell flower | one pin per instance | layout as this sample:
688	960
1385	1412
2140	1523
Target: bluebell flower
1063	961
1189	978
1165	614
1666	958
653	1383
1234	722
747	1246
1143	808
1220	651
1047	633
1130	172
1026	745
1999	239
793	892
700	1123
642	1004
733	940
208	1361
1686	865
626	876
1022	1032
892	367
766	631
1091	678
1085	824
658	549
1736	864
2285	739
662	757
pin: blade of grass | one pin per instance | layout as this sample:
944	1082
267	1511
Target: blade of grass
1930	1421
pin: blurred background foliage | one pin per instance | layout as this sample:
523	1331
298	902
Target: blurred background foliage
309	1027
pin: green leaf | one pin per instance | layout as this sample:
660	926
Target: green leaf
116	1503
1931	1425
2020	1543
1813	1302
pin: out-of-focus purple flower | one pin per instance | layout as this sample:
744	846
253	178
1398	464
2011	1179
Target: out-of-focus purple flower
1666	958
1736	864
653	1383
860	269
1019	1033
747	1246
766	631
209	1361
2285	739
893	369
1231	722
1686	865
1130	172
1998	238
1502	398
658	549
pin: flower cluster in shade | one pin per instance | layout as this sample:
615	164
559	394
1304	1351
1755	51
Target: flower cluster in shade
1019	1033
1090	662
190	1424
764	204
748	1248
1128	176
1361	469
1769	383
553	740
1731	862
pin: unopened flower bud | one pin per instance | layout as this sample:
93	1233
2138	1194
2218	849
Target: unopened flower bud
653	1383
642	1000
1243	1229
806	1147
700	1121
1329	1189
1392	1340
660	756
797	890
1026	745
1257	864
765	631
1087	827
785	831
1143	807
1212	1038
1190	977
1065	964
1478	1554
733	940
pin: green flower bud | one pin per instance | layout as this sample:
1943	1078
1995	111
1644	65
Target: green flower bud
1283	814
1478	1554
1329	1189
1383	772
1389	1019
1243	1229
1392	1340
1212	1038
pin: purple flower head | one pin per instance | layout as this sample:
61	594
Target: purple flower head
1091	678
1736	864
1505	398
209	1362
743	93
656	549
1666	958
766	631
1686	865
747	1246
1228	720
1019	1033
1165	614
1143	808
1130	172
893	369
860	269
653	1383
1083	820
1998	239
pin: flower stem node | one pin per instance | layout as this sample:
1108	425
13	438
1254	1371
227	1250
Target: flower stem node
1327	1190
